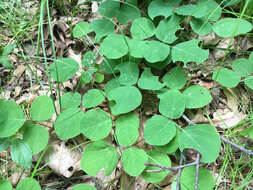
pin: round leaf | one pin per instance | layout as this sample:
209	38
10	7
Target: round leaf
83	187
175	78
126	131
5	185
93	98
28	184
96	124
228	27
129	73
63	69
148	81
35	136
67	124
155	157
70	100
133	160
11	118
102	27
114	46
187	180
201	137
127	12
142	28
159	130
81	29
196	96
42	108
172	104
99	155
249	82
226	77
124	99
242	67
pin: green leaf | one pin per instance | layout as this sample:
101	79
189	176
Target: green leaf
63	69
133	160
126	131
70	100
129	73
187	180
36	136
249	82
155	51
21	153
226	77
109	8
142	28
189	52
81	29
135	47
110	85
89	59
87	75
172	104
172	146
114	46
124	99
186	10
148	81
83	187
99	155
161	8
11	118
203	138
161	64
229	27
99	77
4	61
42	108
8	49
5	184
167	28
96	124
102	28
196	96
67	124
175	78
242	67
155	157
201	26
127	12
4	144
28	184
93	98
108	65
159	130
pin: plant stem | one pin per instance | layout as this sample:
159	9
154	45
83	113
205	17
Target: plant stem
197	171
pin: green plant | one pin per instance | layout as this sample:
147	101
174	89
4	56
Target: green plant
152	41
4	52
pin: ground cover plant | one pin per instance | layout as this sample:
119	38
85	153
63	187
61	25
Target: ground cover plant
144	72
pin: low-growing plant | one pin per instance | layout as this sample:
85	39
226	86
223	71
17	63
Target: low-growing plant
155	41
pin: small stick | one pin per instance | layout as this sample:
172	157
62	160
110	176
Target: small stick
180	171
197	172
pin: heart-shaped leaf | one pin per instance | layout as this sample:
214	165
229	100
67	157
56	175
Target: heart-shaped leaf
242	67
112	84
148	81
127	12
93	98
70	100
102	28
129	73
226	77
175	78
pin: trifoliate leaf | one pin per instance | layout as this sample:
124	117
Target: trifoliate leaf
93	98
249	82
172	104
96	124
161	8
196	96
114	46
11	118
155	157
142	28
203	138
242	67
99	155
189	52
21	153
226	77
148	81
126	131
124	99
83	187
4	144
229	27
201	26
36	136
67	124
159	130
188	176
129	73
42	108
89	59
81	29
5	184
28	184
127	12
155	51
70	100
63	69
167	28
102	28
175	78
133	160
